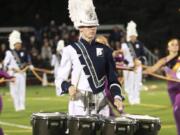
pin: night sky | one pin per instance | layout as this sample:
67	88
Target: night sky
157	20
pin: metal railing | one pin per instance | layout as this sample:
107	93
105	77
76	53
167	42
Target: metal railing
151	58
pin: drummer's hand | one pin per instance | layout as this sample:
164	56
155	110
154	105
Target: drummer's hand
72	90
119	104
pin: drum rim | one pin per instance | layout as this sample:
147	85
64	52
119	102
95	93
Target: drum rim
152	118
46	116
83	117
112	120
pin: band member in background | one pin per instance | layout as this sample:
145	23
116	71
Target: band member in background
56	60
133	53
89	63
171	66
15	61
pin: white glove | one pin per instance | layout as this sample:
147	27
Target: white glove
31	67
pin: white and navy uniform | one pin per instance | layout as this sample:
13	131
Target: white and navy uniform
133	79
89	66
17	60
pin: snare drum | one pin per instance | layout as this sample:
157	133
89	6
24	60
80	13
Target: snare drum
49	123
147	125
118	126
84	125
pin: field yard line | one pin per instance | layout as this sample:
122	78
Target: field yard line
14	125
17	131
153	105
168	126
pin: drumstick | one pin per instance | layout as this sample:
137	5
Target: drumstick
124	68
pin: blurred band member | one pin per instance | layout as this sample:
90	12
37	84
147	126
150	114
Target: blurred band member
56	60
134	54
15	60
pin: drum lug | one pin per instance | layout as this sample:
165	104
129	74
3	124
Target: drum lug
93	126
61	124
47	123
115	127
152	126
78	125
128	129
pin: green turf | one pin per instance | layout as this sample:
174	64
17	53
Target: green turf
155	102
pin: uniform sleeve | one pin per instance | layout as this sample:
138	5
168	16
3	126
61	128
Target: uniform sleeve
53	60
63	72
7	59
114	85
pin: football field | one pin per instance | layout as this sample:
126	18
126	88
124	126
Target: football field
154	102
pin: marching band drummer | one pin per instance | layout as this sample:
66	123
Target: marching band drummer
15	60
89	63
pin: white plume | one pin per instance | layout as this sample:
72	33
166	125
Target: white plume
14	37
131	29
82	13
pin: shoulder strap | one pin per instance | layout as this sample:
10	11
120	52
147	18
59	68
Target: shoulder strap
131	48
14	53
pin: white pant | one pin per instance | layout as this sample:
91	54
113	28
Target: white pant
132	84
76	107
17	91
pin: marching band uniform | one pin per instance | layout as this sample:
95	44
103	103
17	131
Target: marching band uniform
89	65
1	104
14	61
171	66
173	69
133	51
55	62
3	75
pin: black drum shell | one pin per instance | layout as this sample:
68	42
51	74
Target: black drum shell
118	126
146	126
84	125
49	123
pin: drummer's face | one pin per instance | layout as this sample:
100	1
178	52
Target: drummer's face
88	32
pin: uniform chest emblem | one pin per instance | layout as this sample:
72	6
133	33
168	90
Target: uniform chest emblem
99	52
22	54
137	46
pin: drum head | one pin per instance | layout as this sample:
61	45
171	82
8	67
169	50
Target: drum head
83	118
142	117
122	120
49	115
